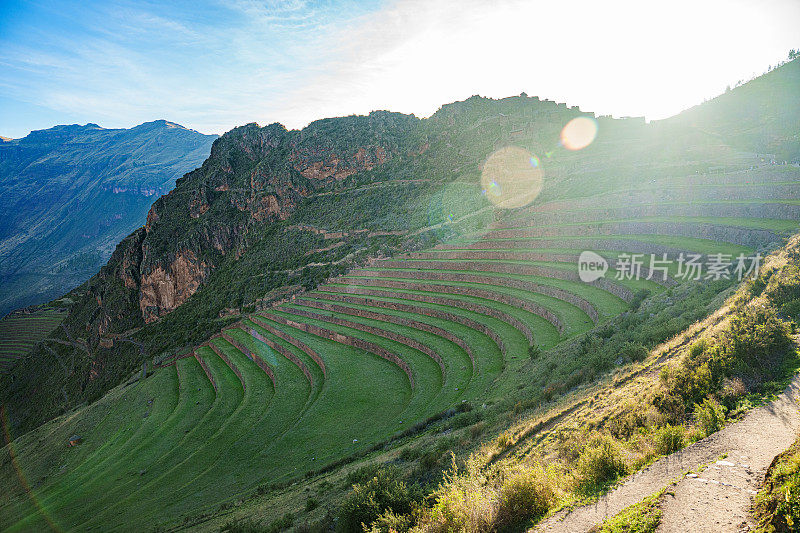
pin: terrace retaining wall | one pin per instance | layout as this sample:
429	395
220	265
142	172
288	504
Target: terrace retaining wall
206	370
252	356
228	362
348	341
437	300
391	335
589	212
471	291
407	308
731	234
372	315
433	274
300	345
283	351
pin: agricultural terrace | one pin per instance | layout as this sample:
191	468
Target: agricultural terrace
368	355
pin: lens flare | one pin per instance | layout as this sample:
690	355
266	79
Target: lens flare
21	476
512	177
579	133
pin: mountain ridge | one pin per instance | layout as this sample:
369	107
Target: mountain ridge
73	191
239	216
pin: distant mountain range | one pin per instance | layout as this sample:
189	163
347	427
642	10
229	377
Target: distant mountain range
70	193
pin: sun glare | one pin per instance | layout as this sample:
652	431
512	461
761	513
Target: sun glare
512	177
579	133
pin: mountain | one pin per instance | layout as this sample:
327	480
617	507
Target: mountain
306	298
761	115
70	193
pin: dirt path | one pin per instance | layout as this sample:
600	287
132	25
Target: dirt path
716	498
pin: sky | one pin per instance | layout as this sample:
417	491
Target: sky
213	65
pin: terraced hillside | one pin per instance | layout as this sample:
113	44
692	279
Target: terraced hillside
315	377
20	331
370	354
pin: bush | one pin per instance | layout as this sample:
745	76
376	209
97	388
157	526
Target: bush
369	499
462	504
248	525
732	389
709	416
633	351
754	339
476	430
505	440
389	522
534	352
638	297
792	310
625	422
367	472
526	493
669	439
699	347
599	462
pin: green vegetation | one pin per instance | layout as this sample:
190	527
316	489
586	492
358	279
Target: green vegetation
777	506
642	517
363	311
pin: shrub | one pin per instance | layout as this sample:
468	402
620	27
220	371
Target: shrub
389	522
699	347
505	440
669	439
534	352
526	493
759	283
638	297
248	525
788	288
624	423
732	389
369	499
430	459
462	503
633	351
409	453
367	472
755	337
599	462
709	416
792	309
476	430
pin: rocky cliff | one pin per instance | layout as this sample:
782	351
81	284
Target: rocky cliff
254	176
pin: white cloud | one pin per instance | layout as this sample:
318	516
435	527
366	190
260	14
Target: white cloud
294	61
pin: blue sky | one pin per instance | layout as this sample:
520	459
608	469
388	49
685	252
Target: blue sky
214	65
